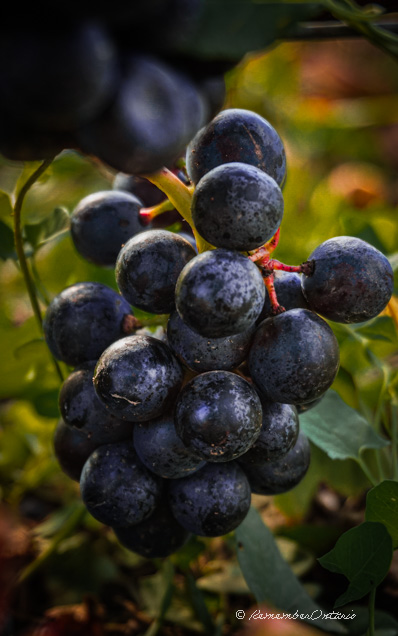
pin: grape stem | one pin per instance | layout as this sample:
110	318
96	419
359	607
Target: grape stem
276	308
148	214
180	196
19	248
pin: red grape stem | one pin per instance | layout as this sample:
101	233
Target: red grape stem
276	308
148	214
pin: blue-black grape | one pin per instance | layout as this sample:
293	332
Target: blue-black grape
220	293
156	537
72	447
237	135
281	475
103	222
146	191
237	206
201	353
213	501
279	432
116	488
148	267
162	451
294	357
218	415
137	378
57	79
352	281
81	409
83	320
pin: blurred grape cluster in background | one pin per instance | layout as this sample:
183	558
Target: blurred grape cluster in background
335	105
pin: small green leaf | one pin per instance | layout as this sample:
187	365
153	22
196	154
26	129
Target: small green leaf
251	26
363	554
381	328
270	578
5	208
39	233
7	246
382	506
338	429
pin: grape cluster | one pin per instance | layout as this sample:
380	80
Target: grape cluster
170	433
110	82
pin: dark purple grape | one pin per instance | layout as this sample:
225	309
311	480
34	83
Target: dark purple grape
294	357
288	291
218	415
237	135
213	501
279	432
157	537
146	191
116	488
303	408
237	206
148	267
58	78
150	121
352	280
162	451
73	446
137	378
81	409
103	222
83	320
220	293
201	353
281	475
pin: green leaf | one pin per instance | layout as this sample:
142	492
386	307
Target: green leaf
7	246
382	506
39	233
338	429
5	208
381	328
270	578
226	34
363	554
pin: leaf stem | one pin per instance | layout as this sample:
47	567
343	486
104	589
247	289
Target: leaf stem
367	472
69	526
372	599
180	196
18	239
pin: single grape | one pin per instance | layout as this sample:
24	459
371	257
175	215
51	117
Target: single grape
303	408
237	206
218	415
288	291
279	432
116	488
352	280
81	409
148	267
149	123
201	353
141	188
103	222
83	320
137	378
281	475
213	501
157	537
294	357
220	293
239	135
72	446
58	78
162	451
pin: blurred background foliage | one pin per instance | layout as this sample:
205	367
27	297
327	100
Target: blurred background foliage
335	106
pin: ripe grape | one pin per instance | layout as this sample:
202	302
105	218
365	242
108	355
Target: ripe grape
239	135
212	501
137	378
83	320
294	357
218	415
352	280
237	206
220	293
